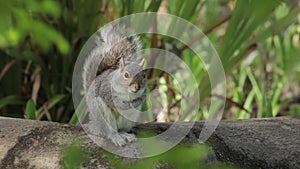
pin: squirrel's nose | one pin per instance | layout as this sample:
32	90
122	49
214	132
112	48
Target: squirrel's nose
137	87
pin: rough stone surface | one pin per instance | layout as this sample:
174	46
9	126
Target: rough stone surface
253	143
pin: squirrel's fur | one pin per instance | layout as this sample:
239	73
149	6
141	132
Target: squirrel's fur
111	43
114	83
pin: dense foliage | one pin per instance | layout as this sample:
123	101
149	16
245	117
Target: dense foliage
258	43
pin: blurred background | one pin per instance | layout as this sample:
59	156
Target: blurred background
258	43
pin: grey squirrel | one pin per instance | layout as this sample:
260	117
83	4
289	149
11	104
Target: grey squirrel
115	84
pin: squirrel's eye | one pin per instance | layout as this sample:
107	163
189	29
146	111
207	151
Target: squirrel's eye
126	75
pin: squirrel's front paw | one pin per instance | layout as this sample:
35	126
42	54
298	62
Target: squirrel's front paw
120	139
129	137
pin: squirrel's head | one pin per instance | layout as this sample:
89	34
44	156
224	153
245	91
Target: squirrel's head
130	77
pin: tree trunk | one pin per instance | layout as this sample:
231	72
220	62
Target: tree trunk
253	143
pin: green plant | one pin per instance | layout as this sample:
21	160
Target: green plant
262	80
41	41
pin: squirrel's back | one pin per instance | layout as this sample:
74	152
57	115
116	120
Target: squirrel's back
111	43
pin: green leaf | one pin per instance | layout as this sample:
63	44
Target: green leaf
50	7
8	100
153	6
30	110
78	112
188	9
259	94
268	109
246	18
280	24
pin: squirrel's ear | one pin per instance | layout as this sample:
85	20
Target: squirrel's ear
122	64
142	62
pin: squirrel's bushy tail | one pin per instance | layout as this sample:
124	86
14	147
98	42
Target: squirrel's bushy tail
111	43
90	68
